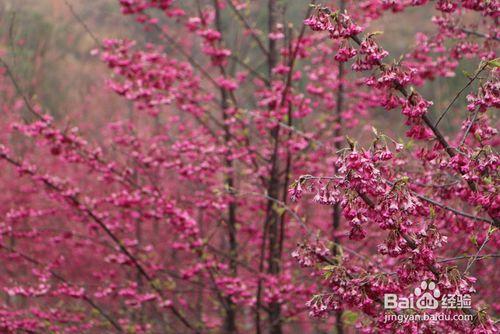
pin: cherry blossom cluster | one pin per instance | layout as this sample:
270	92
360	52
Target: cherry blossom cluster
377	194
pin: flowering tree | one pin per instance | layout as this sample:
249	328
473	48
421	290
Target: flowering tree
183	214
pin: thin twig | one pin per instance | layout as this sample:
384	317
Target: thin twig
482	257
82	22
248	27
471	80
479	34
252	70
19	91
476	256
446	207
469	127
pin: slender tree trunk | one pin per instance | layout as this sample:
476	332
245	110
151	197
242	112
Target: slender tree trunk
271	222
230	316
274	185
337	210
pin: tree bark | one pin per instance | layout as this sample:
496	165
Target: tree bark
230	310
272	216
337	210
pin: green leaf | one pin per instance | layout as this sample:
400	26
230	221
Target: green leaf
340	252
329	267
473	239
494	63
349	318
279	209
432	212
409	145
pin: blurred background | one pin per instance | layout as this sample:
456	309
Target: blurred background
48	44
